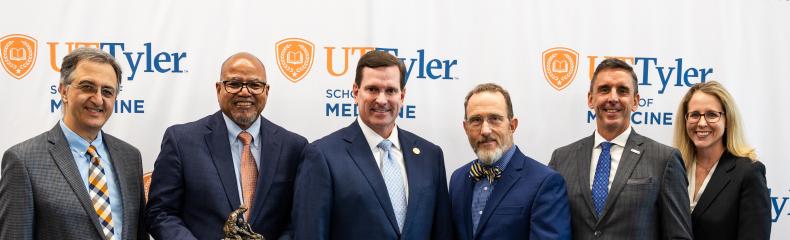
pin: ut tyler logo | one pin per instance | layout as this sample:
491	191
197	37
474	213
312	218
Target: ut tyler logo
294	57
559	66
19	54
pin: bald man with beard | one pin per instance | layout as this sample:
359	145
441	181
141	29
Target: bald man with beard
210	167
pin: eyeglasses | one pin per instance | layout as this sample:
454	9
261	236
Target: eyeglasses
710	117
90	88
493	120
254	87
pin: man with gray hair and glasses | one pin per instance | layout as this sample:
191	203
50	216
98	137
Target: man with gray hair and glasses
75	181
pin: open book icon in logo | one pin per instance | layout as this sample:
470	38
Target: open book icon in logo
559	66
18	54
294	58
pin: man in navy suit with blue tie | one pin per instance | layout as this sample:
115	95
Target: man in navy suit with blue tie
504	194
210	167
372	179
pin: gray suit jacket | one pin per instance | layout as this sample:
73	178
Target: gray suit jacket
42	195
648	198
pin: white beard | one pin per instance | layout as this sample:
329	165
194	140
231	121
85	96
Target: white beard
490	157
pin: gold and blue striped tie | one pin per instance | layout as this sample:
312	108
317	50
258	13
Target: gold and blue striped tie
100	194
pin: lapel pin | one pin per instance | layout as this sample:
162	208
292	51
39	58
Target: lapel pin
415	150
635	151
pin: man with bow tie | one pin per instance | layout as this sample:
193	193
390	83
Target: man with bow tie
504	194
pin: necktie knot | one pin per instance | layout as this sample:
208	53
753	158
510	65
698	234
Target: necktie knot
92	152
479	171
605	146
386	144
245	137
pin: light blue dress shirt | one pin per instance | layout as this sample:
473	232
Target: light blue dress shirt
483	188
79	149
236	146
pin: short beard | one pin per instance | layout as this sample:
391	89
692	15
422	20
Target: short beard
242	119
490	157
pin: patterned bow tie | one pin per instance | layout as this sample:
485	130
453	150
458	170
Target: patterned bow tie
479	171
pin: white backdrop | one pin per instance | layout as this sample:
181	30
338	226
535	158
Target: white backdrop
175	48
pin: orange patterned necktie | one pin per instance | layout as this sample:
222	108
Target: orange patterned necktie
249	172
100	194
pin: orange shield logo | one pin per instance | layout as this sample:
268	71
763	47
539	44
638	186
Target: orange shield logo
294	57
559	66
19	54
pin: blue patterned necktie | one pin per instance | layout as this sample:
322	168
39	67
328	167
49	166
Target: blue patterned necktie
600	187
394	181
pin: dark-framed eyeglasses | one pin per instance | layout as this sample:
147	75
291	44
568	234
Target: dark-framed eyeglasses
710	117
254	87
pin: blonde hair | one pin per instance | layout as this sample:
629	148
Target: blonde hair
734	139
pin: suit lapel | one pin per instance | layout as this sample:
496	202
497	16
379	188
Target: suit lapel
628	162
720	179
503	185
219	147
418	173
61	154
583	154
360	153
119	162
270	159
467	189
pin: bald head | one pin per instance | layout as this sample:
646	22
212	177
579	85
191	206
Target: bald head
242	60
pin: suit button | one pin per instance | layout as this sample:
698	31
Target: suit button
597	234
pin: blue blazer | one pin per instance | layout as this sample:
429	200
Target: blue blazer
528	202
340	193
193	187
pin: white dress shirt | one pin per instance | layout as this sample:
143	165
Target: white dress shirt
618	145
374	139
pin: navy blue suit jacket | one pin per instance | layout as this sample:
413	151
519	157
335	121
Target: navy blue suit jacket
528	202
193	187
340	193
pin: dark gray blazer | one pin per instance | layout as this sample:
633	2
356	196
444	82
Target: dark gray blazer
648	198
42	195
736	203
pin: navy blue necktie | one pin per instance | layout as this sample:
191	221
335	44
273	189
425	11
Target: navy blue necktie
600	187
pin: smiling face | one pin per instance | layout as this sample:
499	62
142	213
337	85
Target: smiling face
613	97
242	107
487	126
379	98
706	135
89	98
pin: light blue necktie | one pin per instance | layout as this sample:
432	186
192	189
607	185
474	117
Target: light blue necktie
600	187
394	181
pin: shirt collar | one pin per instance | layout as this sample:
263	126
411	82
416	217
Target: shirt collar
77	143
374	138
234	129
620	140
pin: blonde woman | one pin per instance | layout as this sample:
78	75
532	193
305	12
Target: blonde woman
727	187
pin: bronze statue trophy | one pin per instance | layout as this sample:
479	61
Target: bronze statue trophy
236	228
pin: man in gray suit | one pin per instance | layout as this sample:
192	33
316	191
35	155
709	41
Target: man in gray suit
75	181
622	185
